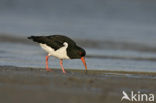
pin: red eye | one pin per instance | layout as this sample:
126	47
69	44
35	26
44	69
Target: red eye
80	53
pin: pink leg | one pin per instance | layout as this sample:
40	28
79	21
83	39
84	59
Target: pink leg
61	63
47	69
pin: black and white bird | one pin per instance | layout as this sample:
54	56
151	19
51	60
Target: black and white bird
61	47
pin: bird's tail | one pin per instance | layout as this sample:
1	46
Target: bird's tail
39	39
31	37
35	38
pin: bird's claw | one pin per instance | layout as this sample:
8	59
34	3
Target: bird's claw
86	70
64	72
48	70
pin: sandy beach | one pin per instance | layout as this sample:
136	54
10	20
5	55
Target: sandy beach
35	85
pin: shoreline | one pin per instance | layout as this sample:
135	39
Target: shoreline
35	85
93	71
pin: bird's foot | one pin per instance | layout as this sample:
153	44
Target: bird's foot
85	71
64	72
48	70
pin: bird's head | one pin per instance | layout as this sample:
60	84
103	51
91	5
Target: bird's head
82	54
77	53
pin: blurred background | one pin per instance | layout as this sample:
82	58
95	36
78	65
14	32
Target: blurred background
117	34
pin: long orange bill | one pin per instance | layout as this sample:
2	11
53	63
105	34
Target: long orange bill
84	62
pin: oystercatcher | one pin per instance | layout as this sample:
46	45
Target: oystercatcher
61	47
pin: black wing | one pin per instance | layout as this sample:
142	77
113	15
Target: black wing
54	41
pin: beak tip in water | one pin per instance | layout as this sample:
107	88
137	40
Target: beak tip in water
84	62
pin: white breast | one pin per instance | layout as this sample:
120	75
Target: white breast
60	53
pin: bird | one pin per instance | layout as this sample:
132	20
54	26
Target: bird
61	47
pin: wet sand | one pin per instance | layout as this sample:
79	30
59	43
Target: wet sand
35	85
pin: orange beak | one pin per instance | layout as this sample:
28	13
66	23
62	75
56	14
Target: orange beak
84	62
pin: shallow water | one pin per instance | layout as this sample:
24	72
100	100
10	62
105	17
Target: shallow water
33	56
117	35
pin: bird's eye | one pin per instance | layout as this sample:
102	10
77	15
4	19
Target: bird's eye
80	53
